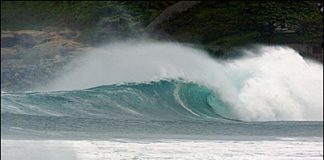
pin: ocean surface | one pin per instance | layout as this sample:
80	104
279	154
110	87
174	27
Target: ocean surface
249	108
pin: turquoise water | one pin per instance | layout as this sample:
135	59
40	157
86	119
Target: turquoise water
151	106
163	109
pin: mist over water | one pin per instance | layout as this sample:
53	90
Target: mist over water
267	83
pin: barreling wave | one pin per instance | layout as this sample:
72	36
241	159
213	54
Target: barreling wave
156	100
171	81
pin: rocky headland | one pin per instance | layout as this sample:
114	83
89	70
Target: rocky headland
29	57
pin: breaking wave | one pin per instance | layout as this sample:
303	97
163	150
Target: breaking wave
166	80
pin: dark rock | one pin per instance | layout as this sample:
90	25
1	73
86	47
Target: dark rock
69	34
36	57
7	40
25	40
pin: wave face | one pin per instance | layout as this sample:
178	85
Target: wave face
163	100
172	81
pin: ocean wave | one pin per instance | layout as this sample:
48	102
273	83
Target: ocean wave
155	80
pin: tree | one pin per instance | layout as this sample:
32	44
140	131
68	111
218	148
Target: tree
301	16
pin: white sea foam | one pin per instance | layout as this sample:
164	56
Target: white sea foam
159	150
267	84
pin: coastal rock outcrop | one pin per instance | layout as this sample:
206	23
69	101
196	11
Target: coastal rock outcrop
30	57
7	39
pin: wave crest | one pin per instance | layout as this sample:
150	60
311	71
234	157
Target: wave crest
266	84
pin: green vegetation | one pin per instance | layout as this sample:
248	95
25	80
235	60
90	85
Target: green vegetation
78	14
215	25
219	26
97	20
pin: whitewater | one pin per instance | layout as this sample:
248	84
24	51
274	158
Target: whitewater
271	83
160	100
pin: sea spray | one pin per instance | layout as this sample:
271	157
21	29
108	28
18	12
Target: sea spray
268	83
